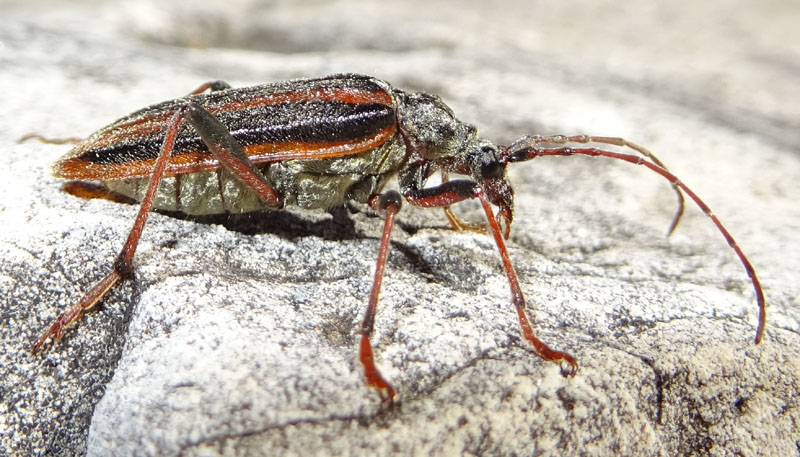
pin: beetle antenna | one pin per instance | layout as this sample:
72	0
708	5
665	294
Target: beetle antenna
527	148
613	141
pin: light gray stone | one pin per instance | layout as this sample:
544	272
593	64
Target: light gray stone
239	337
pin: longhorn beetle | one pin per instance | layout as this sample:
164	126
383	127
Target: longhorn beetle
316	143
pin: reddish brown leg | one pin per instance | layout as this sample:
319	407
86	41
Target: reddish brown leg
452	192
56	329
213	86
525	149
456	223
517	298
230	155
122	265
389	202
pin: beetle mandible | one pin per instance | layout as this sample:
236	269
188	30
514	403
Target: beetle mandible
316	143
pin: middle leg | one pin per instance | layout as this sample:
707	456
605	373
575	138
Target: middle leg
388	202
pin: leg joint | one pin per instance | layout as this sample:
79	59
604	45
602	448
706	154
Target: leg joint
390	198
123	267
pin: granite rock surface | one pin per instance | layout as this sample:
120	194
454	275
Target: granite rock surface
240	335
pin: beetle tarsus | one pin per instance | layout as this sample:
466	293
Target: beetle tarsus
74	313
372	375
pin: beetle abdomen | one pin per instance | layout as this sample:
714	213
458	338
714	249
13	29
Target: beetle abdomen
310	184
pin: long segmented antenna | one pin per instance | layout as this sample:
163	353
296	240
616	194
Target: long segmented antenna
613	141
526	149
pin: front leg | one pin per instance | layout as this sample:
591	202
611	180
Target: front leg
451	192
442	195
456	223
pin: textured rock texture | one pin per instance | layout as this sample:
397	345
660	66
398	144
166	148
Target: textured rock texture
238	337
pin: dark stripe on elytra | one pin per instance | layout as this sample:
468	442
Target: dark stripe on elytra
313	122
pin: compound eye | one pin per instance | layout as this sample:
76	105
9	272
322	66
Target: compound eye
493	169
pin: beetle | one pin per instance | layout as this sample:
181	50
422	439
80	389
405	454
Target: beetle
316	143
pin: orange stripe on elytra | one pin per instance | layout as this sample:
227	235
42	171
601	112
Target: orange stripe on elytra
343	95
127	131
155	123
196	161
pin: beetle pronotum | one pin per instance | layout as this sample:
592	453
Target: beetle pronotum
316	143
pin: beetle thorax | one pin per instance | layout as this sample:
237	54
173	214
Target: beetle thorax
430	127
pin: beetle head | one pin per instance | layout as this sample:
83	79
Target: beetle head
483	161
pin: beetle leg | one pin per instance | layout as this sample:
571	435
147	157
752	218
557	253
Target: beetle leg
456	223
459	225
224	147
451	192
123	266
229	152
517	298
442	195
389	202
212	86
